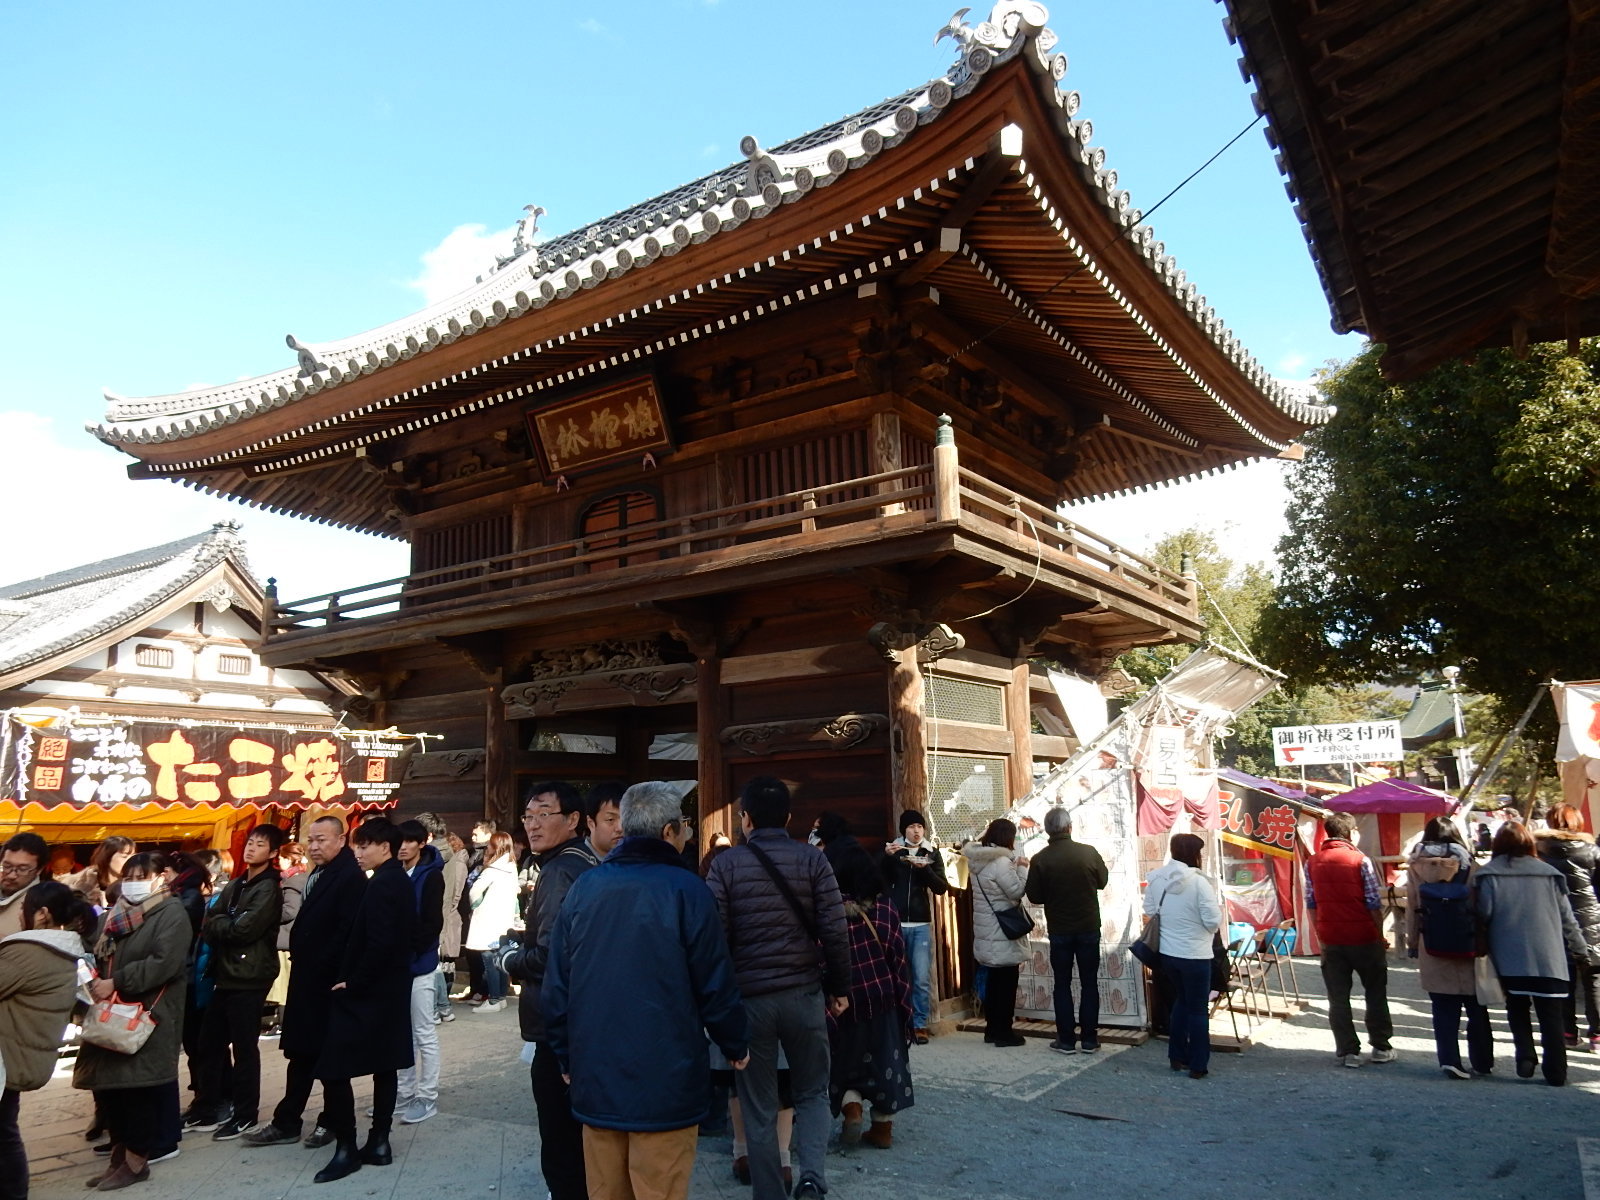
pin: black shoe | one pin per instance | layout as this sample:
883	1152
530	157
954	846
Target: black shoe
1198	1074
270	1135
103	1148
377	1152
208	1120
346	1160
809	1189
1176	1065
1526	1067
1011	1039
231	1130
94	1133
318	1138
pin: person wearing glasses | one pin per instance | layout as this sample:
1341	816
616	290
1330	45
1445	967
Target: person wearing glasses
558	836
21	866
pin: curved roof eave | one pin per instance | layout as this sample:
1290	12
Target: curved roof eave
545	274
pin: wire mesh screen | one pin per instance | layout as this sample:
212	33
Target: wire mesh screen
951	699
965	793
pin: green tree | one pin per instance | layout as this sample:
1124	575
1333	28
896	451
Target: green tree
1233	602
1451	519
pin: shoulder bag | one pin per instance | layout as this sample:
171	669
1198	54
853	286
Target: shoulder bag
1014	921
1147	948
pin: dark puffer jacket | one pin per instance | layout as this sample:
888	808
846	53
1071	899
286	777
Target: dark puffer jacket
242	928
771	948
1577	857
526	964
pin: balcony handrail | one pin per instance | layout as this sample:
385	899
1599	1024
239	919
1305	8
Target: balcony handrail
950	495
633	540
1078	541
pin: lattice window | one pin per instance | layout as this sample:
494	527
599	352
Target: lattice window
951	699
159	657
804	465
234	664
965	793
467	542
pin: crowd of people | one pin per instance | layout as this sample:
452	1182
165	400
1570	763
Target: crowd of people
789	979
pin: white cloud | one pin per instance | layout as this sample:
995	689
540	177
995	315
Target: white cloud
466	252
104	514
590	25
709	150
1292	363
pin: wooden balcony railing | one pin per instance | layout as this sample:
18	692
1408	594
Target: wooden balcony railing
942	493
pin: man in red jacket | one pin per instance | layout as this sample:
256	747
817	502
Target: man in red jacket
1343	896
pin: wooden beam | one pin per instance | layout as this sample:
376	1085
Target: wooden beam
908	744
716	813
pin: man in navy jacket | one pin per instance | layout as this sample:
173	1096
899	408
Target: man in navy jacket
638	974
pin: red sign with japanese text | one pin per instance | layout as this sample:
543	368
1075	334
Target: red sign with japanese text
1258	821
107	763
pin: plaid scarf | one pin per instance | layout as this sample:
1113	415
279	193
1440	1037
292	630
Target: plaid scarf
123	919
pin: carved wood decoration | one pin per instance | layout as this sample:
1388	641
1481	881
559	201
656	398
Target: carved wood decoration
845	731
448	764
643	686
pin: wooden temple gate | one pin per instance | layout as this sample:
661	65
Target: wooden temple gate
762	476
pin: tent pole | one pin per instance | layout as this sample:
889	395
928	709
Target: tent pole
1486	774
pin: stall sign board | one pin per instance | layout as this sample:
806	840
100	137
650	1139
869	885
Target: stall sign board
1352	742
107	763
1257	821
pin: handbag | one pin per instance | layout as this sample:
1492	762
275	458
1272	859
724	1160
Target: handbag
1014	922
1147	947
1486	981
119	1025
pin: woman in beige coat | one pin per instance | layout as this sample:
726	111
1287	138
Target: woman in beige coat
999	878
1442	857
38	987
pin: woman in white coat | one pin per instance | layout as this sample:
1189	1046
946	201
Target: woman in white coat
1191	914
999	878
494	910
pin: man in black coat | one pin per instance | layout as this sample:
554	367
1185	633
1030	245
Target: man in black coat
556	829
369	1026
317	941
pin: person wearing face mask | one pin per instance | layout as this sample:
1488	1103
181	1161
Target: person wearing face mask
143	954
38	987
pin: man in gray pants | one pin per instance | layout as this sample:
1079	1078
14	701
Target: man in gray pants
779	901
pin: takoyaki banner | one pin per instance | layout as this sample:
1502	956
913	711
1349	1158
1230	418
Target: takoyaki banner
108	762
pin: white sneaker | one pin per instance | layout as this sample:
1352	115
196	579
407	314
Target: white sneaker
167	1157
418	1111
490	1006
1384	1056
1351	1060
447	1016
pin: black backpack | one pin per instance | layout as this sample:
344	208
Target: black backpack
1449	928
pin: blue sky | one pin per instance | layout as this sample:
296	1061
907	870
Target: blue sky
188	183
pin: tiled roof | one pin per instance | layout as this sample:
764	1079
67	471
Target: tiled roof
538	275
55	612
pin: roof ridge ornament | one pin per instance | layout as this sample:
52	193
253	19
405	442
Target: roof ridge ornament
309	364
523	243
1010	23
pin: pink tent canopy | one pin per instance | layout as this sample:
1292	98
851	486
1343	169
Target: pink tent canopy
1394	796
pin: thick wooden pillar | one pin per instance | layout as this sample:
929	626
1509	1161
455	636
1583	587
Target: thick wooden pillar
1019	720
711	717
499	782
908	737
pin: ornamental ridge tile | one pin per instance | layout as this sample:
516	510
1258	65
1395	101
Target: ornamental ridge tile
542	273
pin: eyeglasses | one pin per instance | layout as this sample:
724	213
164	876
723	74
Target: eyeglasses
543	815
18	869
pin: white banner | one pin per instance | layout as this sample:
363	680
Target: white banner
1356	741
1579	706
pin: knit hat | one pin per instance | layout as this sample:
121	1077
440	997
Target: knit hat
911	817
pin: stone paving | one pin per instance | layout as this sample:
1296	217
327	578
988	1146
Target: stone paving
990	1124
